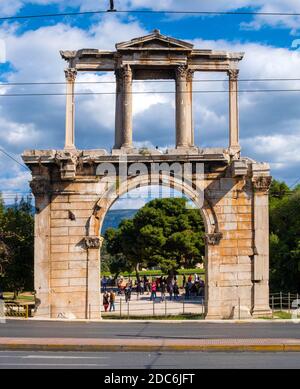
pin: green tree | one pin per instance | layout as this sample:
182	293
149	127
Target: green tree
284	238
4	250
164	233
112	258
16	259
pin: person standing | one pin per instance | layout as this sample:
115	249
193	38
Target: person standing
104	283
105	301
183	281
163	290
127	293
2	308
176	291
112	299
170	288
153	291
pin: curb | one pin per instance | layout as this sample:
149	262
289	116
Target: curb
167	345
137	348
227	321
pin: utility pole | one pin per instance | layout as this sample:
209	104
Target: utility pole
112	6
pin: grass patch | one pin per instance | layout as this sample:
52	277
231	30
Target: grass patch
158	317
22	297
278	315
282	315
156	273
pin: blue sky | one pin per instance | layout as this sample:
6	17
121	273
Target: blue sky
269	122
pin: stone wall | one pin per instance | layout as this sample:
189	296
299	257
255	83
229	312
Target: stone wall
67	245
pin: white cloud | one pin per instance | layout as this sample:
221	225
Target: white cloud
39	122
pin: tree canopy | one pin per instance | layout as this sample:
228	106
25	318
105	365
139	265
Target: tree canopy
16	246
165	233
284	238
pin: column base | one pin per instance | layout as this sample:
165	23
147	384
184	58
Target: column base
261	312
213	317
234	151
124	150
70	148
190	150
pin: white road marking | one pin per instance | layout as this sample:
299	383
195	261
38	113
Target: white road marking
59	357
52	364
49	357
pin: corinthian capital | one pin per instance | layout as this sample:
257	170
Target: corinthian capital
70	74
190	74
181	72
233	74
262	183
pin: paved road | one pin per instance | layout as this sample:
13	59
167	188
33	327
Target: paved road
200	330
116	360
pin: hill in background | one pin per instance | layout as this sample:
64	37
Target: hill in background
114	217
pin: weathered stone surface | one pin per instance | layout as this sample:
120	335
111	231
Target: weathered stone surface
72	199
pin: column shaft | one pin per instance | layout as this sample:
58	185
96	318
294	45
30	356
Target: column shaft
183	124
233	111
190	122
261	244
127	107
119	109
70	74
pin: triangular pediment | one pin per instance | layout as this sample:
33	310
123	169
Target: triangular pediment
155	41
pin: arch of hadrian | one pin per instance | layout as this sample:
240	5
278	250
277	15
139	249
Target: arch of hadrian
71	198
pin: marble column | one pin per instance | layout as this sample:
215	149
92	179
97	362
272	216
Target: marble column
70	74
260	277
119	109
234	145
42	261
126	138
183	124
190	76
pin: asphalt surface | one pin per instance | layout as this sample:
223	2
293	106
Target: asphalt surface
187	330
138	360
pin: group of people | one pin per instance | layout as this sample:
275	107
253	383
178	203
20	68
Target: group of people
109	301
105	282
193	287
164	285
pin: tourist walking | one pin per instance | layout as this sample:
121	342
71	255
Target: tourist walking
105	301
112	299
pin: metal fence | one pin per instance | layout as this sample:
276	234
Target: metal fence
283	305
158	307
284	302
14	309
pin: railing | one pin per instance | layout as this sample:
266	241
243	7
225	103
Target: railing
282	305
284	302
144	307
17	309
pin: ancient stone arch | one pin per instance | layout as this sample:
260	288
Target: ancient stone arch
74	188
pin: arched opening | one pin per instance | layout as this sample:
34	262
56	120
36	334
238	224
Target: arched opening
189	279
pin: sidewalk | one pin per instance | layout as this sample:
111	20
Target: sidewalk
143	306
149	345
